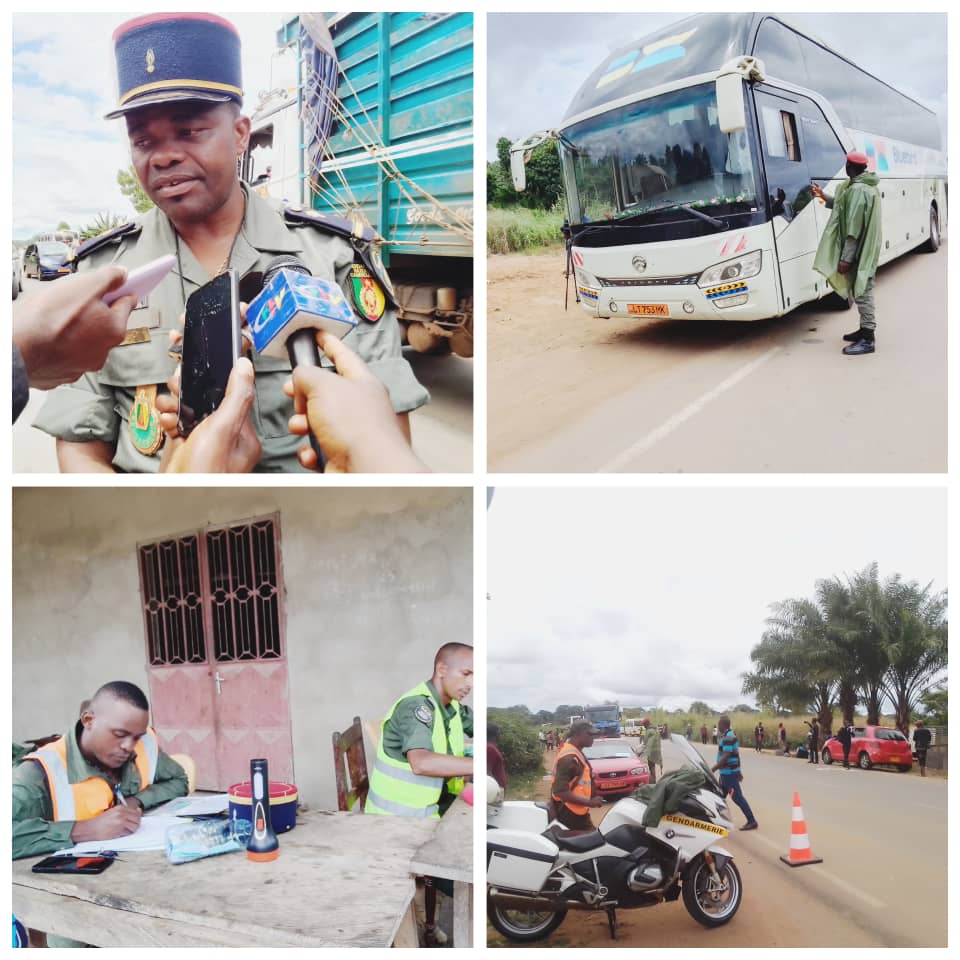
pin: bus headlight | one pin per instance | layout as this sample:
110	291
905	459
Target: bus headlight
586	279
746	266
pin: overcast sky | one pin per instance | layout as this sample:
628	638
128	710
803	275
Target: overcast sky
65	155
537	62
656	596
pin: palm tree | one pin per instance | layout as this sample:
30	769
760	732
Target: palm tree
912	625
795	661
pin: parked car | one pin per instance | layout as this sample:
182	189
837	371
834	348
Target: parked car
48	260
617	768
17	279
871	747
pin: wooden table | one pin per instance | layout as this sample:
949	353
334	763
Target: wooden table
341	879
449	854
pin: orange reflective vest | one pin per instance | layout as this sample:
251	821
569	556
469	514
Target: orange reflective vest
89	798
583	787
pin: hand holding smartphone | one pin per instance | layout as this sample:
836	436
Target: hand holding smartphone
211	345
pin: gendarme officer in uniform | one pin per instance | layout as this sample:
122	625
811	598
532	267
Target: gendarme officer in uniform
180	95
420	765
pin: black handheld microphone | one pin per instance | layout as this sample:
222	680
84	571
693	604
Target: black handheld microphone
289	310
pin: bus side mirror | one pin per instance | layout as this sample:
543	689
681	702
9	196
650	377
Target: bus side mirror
731	114
518	170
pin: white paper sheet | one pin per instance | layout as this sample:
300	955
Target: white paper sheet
151	835
198	806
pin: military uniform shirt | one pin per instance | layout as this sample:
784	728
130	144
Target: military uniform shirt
411	728
35	832
97	406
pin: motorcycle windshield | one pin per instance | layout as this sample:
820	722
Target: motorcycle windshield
678	752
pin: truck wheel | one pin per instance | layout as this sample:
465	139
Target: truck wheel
933	239
707	905
864	760
423	341
461	343
523	926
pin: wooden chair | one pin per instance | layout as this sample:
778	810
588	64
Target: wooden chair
189	768
350	763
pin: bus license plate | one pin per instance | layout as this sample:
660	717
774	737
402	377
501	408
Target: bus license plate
649	309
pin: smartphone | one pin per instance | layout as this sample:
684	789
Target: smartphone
211	345
71	864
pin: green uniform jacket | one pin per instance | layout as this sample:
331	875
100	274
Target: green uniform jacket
35	832
97	406
856	214
665	795
651	745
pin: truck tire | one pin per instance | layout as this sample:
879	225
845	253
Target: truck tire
424	341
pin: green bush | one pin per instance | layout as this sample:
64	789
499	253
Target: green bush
519	745
517	229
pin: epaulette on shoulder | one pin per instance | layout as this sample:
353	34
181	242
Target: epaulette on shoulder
350	229
111	236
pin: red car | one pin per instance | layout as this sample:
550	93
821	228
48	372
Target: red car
873	746
617	768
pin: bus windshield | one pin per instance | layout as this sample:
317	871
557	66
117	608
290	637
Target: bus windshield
656	153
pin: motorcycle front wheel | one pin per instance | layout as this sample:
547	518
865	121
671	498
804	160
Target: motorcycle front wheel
712	901
523	926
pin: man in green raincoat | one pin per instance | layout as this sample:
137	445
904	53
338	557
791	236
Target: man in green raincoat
850	247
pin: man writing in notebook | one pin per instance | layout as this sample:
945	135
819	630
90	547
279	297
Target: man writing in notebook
95	782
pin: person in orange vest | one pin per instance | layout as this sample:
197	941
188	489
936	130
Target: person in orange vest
572	788
95	782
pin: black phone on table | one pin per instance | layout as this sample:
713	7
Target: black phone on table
92	863
211	345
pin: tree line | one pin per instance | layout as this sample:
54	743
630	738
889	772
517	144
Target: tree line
858	640
544	181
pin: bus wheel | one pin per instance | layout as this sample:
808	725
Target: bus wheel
933	241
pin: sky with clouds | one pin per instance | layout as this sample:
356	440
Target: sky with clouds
655	597
65	155
558	51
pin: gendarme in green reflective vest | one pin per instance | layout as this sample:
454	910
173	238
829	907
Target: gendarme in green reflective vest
394	788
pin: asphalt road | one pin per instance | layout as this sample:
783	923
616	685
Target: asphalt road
568	393
883	881
442	430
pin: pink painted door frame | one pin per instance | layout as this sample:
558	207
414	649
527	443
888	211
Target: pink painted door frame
224	712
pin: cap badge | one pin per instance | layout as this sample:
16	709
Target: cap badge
151	60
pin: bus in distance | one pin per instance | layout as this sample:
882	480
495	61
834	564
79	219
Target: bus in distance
688	157
605	717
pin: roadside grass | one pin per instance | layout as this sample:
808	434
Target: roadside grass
523	786
519	230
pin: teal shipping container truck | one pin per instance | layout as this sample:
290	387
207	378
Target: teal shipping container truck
373	121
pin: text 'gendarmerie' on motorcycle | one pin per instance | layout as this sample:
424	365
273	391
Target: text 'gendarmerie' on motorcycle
639	856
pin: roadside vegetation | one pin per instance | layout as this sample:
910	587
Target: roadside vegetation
525	222
863	647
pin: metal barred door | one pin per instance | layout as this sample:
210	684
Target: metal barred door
214	620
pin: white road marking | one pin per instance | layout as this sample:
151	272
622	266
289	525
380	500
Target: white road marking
689	411
846	887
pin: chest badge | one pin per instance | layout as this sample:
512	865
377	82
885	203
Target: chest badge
368	296
144	423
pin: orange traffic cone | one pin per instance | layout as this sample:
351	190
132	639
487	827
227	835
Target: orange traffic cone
800	853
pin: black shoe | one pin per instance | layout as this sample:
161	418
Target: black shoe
855	336
751	825
860	347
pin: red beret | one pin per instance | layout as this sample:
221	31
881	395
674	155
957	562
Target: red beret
858	158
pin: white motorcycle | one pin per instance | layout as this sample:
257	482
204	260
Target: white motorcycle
538	870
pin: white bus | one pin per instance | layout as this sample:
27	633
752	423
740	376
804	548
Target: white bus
688	158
